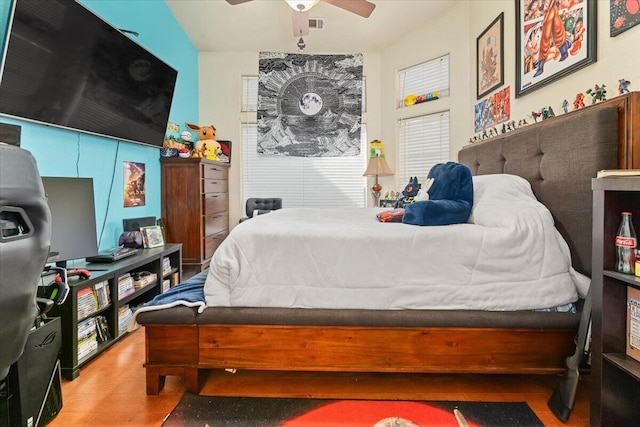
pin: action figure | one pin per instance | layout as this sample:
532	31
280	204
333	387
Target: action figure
565	106
623	86
598	93
579	101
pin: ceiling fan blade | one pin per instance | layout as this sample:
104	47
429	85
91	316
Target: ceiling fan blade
359	7
300	24
235	2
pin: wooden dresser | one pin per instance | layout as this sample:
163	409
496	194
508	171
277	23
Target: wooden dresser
195	208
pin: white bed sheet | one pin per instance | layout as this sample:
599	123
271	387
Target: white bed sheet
508	257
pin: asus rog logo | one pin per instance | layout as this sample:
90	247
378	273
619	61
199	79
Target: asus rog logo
49	339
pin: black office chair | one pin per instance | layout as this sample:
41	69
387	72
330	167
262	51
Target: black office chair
25	234
257	206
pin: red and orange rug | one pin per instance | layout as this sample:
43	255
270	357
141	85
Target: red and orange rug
201	411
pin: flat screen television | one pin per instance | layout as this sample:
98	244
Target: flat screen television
65	66
73	218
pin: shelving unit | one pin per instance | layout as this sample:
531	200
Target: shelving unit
615	376
85	309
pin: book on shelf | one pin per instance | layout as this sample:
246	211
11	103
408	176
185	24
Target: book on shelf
125	286
610	173
124	317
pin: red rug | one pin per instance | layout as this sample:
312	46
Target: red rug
194	410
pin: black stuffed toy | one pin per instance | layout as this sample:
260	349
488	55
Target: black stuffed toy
410	191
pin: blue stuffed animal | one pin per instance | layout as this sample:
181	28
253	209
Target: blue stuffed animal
450	197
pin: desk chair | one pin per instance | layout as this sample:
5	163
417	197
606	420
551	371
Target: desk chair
258	206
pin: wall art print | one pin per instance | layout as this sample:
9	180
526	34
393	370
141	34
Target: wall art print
309	105
134	184
553	39
490	57
493	110
624	14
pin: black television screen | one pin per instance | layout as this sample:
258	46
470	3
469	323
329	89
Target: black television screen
73	218
65	66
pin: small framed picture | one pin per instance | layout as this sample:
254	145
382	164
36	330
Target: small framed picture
225	148
490	57
152	236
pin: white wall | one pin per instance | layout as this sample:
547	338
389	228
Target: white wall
453	31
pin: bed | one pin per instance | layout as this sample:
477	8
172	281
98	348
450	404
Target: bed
558	158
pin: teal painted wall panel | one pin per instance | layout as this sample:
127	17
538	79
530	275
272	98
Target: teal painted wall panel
61	152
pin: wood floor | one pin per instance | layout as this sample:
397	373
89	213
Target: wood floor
110	390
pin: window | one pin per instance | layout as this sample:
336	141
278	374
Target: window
300	181
430	76
424	142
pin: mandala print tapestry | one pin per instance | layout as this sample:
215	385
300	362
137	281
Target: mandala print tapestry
309	105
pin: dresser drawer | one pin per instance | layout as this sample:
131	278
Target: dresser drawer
214	203
215	185
216	223
214	172
211	243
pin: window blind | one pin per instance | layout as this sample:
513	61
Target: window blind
429	76
303	181
423	142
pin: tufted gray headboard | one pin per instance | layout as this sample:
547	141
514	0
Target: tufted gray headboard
558	157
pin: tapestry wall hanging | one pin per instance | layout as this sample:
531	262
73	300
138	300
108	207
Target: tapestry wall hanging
309	105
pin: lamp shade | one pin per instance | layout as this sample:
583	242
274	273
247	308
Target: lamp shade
378	166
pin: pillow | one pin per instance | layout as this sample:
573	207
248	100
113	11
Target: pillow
450	197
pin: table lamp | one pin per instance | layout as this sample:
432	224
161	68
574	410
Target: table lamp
377	167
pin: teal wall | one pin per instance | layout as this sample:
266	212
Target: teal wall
60	152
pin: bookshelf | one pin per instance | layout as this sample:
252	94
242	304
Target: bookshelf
615	376
98	310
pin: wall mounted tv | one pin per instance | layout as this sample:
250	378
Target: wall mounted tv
65	66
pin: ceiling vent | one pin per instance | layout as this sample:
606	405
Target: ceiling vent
316	23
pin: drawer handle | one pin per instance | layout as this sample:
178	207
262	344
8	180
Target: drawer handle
214	169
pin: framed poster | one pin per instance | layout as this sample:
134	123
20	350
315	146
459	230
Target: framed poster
623	14
553	39
490	57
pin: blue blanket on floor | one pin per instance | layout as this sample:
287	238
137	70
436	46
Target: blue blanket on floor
188	293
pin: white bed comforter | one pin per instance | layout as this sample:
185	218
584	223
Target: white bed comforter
508	257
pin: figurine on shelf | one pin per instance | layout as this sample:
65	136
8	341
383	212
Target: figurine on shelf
547	112
565	106
623	86
579	101
598	93
535	115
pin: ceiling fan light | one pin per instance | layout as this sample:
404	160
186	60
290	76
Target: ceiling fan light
301	5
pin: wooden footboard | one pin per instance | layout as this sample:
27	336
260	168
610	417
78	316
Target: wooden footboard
188	350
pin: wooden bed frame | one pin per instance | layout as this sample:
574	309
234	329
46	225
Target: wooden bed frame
558	156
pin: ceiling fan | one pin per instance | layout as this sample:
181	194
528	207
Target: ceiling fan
301	10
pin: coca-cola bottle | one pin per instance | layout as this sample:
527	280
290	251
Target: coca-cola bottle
626	242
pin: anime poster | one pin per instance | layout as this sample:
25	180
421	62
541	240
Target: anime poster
554	39
623	14
134	185
493	110
309	105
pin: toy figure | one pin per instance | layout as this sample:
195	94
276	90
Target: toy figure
410	191
207	146
623	86
598	93
535	115
565	106
579	101
547	112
